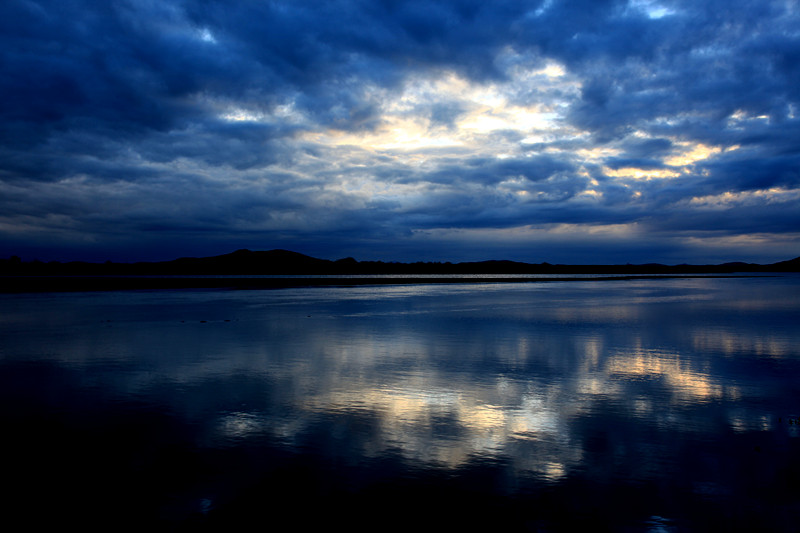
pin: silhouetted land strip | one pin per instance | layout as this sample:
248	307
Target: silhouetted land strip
185	273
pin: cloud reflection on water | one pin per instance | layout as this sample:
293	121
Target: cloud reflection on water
571	379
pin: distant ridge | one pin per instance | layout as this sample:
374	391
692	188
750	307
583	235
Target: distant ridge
285	262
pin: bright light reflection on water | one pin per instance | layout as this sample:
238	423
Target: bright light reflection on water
635	404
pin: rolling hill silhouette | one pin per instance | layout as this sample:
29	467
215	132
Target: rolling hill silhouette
285	262
232	271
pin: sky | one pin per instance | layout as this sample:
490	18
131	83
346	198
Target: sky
566	131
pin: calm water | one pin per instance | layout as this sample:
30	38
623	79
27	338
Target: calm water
640	405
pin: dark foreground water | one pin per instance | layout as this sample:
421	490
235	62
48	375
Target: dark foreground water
640	405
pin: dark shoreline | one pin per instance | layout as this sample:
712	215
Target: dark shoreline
39	284
247	263
278	269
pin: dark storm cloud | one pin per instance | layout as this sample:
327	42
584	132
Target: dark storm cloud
487	171
746	174
138	118
647	148
241	146
707	59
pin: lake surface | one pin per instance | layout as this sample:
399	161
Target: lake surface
633	405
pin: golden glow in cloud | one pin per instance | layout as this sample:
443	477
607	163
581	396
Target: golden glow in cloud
395	133
680	162
638	173
729	199
692	153
406	121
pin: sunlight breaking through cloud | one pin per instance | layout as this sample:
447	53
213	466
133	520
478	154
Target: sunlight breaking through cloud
353	131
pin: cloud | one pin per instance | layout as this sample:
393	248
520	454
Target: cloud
325	125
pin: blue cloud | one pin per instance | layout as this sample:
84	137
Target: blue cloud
328	124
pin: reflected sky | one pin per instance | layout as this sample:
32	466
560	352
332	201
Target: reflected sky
637	383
